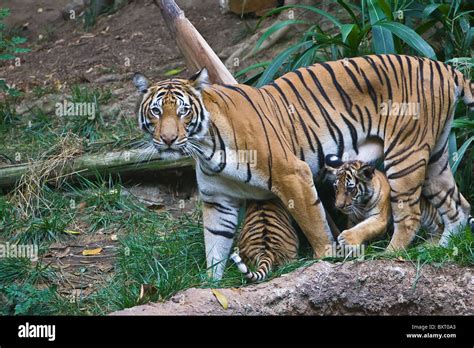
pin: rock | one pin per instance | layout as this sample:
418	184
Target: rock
378	287
46	103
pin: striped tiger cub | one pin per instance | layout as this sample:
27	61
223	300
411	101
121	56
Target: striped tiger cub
363	193
267	239
269	142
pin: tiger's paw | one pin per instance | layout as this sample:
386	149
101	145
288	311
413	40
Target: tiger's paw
349	237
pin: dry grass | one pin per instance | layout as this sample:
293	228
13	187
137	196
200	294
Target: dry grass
53	167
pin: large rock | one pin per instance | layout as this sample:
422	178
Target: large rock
354	288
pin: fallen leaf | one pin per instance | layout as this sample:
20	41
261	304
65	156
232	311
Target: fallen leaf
88	252
174	71
71	232
221	298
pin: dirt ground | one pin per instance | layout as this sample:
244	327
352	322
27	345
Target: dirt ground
133	39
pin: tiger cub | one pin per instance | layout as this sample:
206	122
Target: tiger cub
267	239
363	193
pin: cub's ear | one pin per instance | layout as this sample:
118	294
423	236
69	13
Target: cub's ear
200	79
333	161
141	82
366	172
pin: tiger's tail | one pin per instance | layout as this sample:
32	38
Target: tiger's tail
263	267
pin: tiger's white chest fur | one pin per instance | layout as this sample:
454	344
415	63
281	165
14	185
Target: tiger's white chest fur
231	183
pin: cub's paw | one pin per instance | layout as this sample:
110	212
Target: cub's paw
349	237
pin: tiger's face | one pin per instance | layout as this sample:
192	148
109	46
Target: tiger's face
352	184
173	112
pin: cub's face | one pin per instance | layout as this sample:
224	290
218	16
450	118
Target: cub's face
352	183
172	111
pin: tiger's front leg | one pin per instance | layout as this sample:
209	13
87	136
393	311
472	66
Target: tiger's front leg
297	192
220	218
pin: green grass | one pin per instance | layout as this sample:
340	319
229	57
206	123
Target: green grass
27	136
86	125
460	250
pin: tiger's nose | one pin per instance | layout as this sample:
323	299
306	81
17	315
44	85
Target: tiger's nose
340	205
169	139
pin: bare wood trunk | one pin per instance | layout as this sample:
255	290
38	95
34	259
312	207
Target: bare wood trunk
195	49
108	163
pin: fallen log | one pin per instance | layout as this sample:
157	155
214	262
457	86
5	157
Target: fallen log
378	287
109	163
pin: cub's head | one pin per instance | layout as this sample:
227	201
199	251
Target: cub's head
173	112
352	182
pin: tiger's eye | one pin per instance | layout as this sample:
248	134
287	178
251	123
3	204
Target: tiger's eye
184	111
155	110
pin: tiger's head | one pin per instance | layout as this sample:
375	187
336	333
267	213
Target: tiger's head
172	112
352	182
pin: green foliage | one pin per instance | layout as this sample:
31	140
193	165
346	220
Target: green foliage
7	113
460	250
21	289
86	125
9	49
23	270
27	299
378	26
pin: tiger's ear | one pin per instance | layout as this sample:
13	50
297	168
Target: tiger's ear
141	82
366	172
200	79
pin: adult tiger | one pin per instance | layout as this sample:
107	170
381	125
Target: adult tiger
335	107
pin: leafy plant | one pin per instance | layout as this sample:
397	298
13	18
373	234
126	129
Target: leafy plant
26	299
378	26
9	48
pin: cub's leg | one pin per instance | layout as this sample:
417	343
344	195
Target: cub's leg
220	223
296	190
441	191
366	230
406	175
